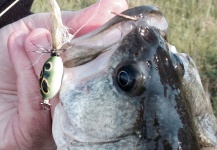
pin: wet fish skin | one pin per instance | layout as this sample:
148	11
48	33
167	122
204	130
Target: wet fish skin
152	114
167	120
159	112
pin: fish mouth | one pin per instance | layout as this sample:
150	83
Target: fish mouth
86	48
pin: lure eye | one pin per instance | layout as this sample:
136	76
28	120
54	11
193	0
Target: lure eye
130	80
47	66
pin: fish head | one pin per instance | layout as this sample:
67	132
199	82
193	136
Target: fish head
126	93
107	101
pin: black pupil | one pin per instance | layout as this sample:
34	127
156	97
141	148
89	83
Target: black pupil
123	78
126	78
129	79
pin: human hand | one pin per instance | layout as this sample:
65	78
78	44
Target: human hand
23	122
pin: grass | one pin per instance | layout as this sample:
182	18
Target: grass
192	29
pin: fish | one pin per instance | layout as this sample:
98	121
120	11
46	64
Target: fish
125	87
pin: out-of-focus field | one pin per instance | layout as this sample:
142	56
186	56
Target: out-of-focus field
192	29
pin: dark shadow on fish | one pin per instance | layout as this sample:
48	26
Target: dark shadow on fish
152	74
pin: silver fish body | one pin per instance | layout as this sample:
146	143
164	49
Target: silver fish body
124	88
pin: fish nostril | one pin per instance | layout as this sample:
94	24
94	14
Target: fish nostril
136	54
134	48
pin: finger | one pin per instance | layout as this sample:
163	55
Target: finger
29	97
93	16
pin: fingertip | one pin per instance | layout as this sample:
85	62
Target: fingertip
29	96
119	6
16	50
39	37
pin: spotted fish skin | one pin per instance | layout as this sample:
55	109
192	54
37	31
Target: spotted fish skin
51	77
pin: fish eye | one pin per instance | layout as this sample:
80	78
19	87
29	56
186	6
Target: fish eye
125	79
129	79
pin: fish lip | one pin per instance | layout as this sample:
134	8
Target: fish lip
147	16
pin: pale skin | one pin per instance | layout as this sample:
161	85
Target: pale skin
23	122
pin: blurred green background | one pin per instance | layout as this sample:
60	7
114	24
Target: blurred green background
192	29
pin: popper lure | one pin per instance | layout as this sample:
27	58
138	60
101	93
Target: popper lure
52	71
51	78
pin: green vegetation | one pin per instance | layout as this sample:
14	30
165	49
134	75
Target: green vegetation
192	29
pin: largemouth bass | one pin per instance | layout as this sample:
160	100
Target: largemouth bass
126	87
